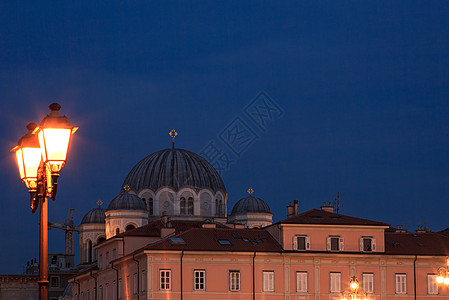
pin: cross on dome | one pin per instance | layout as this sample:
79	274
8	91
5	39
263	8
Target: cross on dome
250	191
99	202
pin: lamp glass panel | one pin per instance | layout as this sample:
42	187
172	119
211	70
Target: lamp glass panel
19	158
54	144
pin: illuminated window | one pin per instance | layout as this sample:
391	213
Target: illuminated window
301	282
335	243
301	242
432	285
268	281
165	279
368	282
199	277
335	282
234	281
401	283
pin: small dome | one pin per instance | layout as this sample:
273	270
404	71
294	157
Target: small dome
68	294
174	168
127	201
95	215
250	204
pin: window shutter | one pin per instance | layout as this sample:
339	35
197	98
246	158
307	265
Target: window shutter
307	242
295	243
361	244
373	244
328	243
342	244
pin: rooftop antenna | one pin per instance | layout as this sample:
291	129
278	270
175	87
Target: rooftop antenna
336	203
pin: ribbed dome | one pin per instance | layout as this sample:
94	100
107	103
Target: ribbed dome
95	215
250	204
174	168
127	201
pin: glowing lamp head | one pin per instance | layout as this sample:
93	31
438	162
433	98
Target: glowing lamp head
440	279
446	280
354	284
55	132
28	155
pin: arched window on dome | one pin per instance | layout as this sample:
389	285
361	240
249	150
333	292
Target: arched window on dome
130	227
217	208
190	206
89	251
182	206
144	201
150	206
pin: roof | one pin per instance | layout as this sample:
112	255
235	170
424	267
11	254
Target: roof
95	215
409	243
127	201
250	204
175	168
322	217
219	239
153	229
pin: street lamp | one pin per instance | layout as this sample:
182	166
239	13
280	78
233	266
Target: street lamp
443	274
354	294
40	154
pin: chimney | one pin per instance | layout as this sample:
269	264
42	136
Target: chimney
295	207
422	229
401	228
164	220
328	208
290	212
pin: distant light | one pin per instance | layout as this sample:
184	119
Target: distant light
446	280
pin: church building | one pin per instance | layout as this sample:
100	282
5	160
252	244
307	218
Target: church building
167	235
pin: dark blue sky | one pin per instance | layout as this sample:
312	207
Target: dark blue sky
363	87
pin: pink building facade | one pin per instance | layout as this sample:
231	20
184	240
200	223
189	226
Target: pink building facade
167	235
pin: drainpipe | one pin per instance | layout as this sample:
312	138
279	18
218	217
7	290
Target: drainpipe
116	280
95	294
254	286
414	275
138	280
182	255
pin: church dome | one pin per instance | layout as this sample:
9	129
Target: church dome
95	215
175	168
250	204
126	201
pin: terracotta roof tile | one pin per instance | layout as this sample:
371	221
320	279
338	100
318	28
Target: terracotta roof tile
322	217
408	243
220	239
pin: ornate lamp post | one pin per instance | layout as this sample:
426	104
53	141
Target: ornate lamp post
354	293
41	153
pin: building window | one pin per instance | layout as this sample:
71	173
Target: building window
268	281
106	292
335	243
150	206
54	281
190	206
183	205
335	282
199	277
301	282
368	282
114	290
100	293
165	279
87	295
135	283
432	285
401	283
234	280
367	244
100	261
143	283
117	231
107	259
301	242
